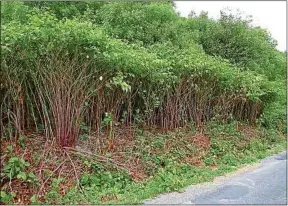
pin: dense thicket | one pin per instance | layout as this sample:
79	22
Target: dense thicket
69	68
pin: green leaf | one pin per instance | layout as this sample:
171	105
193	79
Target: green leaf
13	159
27	164
13	194
7	167
31	177
3	194
22	175
9	148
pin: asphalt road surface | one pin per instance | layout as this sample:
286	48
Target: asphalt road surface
266	184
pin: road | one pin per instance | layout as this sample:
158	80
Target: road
266	184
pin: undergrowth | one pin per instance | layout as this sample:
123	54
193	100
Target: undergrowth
155	163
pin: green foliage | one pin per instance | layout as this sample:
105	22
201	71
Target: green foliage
101	180
134	51
67	10
7	197
233	38
104	182
158	142
14	11
34	200
30	177
15	167
53	195
118	80
22	140
9	149
148	23
275	114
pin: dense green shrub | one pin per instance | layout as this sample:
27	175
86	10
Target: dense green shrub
233	38
137	62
